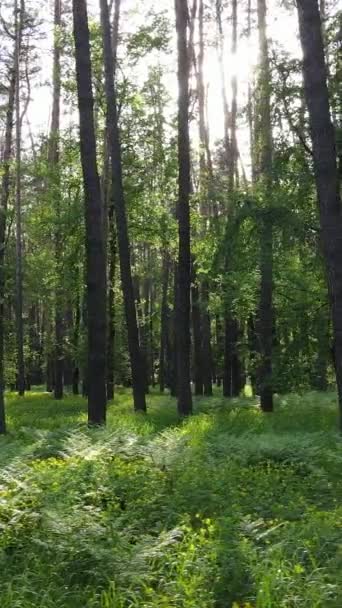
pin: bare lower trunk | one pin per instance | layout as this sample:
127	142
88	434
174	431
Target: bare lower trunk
137	364
183	214
55	190
5	189
95	247
265	320
164	321
197	337
325	166
19	272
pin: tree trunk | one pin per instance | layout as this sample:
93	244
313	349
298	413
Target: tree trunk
265	320
137	365
206	187
111	305
53	159
264	174
223	81
111	237
183	213
5	190
207	358
19	272
95	248
174	338
164	321
197	336
325	166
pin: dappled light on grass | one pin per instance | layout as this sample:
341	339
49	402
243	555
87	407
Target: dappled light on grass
227	508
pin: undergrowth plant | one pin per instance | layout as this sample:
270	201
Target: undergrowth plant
229	509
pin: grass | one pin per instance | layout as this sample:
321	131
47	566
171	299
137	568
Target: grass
229	509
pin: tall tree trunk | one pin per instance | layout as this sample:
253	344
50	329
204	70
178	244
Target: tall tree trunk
325	167
206	186
197	335
183	213
264	174
234	147
137	365
111	233
76	337
250	96
231	324
174	338
111	305
5	190
19	272
164	321
53	159
223	80
207	358
95	247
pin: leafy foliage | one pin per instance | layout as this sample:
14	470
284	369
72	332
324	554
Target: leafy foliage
230	508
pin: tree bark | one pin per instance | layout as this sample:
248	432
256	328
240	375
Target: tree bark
206	187
5	190
95	248
264	175
53	159
19	271
197	336
164	321
183	213
137	364
325	167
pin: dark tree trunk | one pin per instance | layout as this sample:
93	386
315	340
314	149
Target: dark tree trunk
5	189
265	319
253	349
137	365
174	339
207	359
76	338
95	249
183	214
206	187
19	250
264	174
325	166
55	191
164	321
197	337
112	241
111	306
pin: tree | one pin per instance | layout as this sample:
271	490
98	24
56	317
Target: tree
19	10
95	247
137	365
53	159
183	216
263	147
5	191
325	167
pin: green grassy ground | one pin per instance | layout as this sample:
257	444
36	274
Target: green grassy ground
231	508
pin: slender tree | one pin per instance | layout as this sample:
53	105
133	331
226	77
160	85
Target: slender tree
18	212
263	143
325	166
95	247
5	191
137	364
53	158
183	213
206	186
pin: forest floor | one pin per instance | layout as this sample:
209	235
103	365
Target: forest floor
231	508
